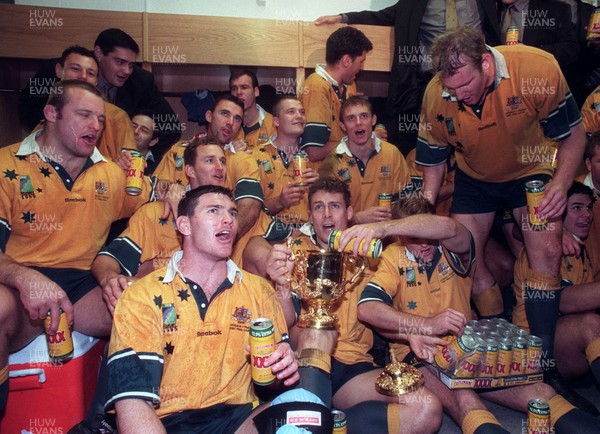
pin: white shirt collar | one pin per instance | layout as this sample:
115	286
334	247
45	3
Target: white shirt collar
343	148
30	146
320	70
233	270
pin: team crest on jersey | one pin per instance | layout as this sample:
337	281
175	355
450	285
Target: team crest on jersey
169	316
450	126
385	172
514	102
443	268
101	187
26	187
241	314
178	161
266	165
411	278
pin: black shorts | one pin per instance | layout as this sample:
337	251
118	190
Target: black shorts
472	196
220	418
76	283
342	373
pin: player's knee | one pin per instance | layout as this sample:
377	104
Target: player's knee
589	326
426	409
10	311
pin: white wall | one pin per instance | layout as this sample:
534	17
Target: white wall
306	10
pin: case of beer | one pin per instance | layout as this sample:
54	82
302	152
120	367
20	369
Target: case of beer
490	353
46	396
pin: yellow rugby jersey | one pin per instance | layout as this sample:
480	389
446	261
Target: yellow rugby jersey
242	172
355	339
590	112
322	98
48	219
187	352
412	287
148	237
575	270
117	133
277	170
262	130
530	107
385	172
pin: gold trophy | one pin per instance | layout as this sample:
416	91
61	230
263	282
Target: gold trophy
318	278
398	378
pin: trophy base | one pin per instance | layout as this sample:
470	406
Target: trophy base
318	322
399	379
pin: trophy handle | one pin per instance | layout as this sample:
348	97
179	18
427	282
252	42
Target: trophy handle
352	260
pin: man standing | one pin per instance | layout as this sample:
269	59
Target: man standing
328	87
501	109
257	127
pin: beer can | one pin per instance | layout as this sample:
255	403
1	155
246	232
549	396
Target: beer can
512	35
468	365
135	173
538	417
447	357
504	360
594	24
487	367
534	354
339	422
468	330
518	365
380	127
385	199
535	196
262	345
374	250
300	164
60	344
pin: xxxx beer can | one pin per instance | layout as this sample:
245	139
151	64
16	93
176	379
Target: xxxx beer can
339	422
262	345
512	35
504	360
467	366
487	367
535	196
374	250
518	366
300	164
135	173
534	354
449	355
594	24
60	344
538	417
385	199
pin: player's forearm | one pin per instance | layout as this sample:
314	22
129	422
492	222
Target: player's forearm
15	275
389	322
104	268
274	205
248	212
570	154
432	181
319	153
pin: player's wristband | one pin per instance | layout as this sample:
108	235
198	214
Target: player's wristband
284	339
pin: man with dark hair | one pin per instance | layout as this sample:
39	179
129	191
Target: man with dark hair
78	63
192	327
328	87
352	369
146	136
132	88
502	109
224	121
57	175
257	128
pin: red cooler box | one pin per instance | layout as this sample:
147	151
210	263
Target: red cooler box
47	398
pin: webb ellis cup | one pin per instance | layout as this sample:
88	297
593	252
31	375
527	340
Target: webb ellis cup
318	278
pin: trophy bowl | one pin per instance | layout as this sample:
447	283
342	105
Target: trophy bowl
319	279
